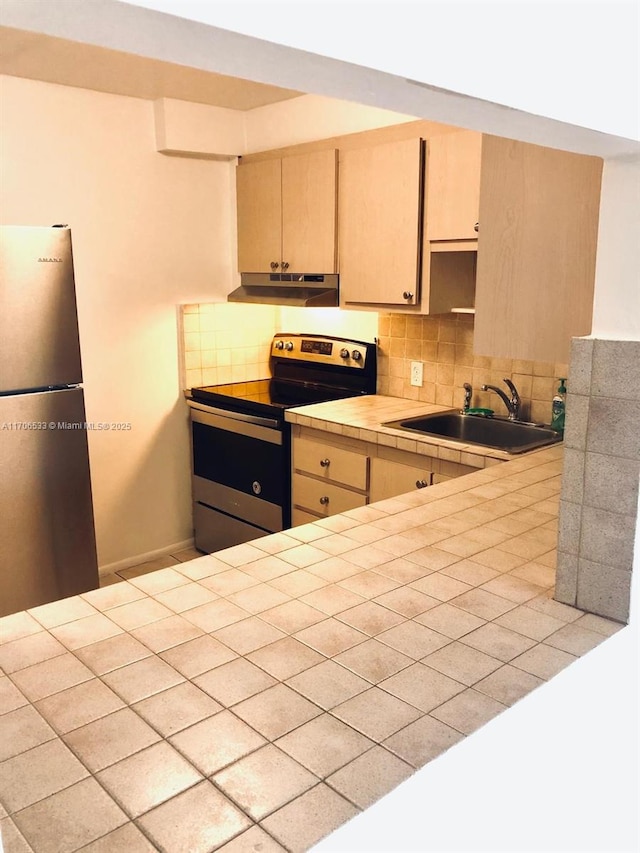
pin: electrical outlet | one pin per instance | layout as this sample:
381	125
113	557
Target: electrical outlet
416	373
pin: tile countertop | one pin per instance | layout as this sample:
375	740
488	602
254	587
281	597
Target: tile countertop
265	694
363	417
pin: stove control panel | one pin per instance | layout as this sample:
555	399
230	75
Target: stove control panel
322	350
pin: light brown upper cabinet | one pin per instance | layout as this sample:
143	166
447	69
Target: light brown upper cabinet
380	208
287	211
453	187
536	250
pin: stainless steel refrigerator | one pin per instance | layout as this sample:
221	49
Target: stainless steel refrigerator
47	538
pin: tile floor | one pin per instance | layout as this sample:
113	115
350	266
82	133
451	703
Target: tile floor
259	698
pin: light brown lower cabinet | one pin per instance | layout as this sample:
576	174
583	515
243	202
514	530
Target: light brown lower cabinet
336	474
327	479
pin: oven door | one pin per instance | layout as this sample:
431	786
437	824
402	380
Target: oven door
240	467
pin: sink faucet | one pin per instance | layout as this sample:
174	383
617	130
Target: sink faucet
468	391
513	404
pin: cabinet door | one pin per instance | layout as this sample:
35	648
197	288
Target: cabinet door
259	202
536	250
390	479
453	186
309	211
380	203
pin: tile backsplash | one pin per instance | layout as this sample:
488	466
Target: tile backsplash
444	344
226	342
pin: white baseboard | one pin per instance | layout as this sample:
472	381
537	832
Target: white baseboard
127	563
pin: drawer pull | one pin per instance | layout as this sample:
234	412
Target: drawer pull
421	484
324	463
324	500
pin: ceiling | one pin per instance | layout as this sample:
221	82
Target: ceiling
55	60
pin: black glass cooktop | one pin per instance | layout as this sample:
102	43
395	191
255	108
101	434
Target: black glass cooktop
267	396
258	391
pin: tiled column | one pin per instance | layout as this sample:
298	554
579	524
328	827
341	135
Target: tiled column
599	497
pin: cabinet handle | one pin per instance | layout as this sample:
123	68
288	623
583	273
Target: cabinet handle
476	227
407	295
285	265
274	265
421	484
324	463
324	500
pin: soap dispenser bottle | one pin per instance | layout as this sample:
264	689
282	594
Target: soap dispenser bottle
558	407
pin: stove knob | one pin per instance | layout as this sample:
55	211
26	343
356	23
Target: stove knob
279	344
356	355
344	353
288	346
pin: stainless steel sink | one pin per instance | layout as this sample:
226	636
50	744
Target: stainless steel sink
497	433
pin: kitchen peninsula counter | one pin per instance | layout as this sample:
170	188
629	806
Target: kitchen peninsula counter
269	692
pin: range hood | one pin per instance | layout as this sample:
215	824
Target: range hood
298	289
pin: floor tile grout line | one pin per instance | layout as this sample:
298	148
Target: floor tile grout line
260	822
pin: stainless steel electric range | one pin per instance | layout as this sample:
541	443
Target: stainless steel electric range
241	445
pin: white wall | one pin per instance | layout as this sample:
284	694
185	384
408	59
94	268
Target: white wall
148	231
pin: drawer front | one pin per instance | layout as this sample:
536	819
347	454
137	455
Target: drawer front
323	499
214	530
331	463
390	479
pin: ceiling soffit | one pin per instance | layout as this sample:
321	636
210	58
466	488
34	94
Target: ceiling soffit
68	63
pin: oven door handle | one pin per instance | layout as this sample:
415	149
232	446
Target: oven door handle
236	421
